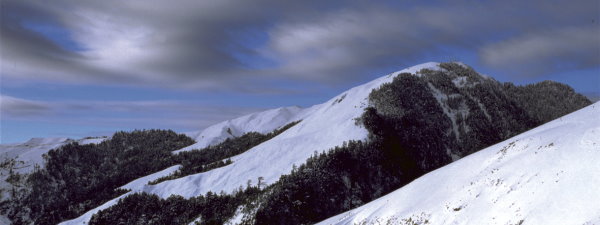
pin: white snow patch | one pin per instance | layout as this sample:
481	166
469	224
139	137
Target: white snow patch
442	99
138	184
237	217
453	156
481	106
4	220
197	220
460	81
87	141
548	175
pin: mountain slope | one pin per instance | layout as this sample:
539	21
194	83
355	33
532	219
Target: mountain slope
322	127
461	110
417	123
548	175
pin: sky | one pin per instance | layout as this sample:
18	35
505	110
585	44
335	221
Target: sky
71	68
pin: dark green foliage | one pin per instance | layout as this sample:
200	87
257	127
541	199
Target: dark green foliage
150	209
330	183
405	113
483	112
78	178
197	161
547	100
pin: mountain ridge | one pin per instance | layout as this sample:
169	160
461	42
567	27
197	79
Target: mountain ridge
456	104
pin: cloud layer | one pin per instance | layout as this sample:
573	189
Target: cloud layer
125	114
230	44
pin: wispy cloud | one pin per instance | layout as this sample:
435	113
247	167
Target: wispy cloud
343	44
134	114
545	52
16	107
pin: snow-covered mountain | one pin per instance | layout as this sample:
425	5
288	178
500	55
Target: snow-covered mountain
30	152
548	175
458	97
323	126
441	113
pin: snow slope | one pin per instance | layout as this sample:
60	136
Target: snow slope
548	175
31	152
323	126
262	122
134	186
138	184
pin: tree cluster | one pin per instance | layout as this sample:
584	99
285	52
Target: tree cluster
213	209
77	178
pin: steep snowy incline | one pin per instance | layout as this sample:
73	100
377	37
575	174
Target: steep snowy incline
548	175
323	126
262	122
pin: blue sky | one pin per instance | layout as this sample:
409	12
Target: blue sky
87	68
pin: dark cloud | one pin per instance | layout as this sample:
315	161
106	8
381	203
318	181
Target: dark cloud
212	44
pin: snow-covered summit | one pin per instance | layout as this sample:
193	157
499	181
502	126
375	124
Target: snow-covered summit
548	175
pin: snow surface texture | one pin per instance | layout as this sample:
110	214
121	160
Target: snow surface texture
31	152
323	127
548	175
